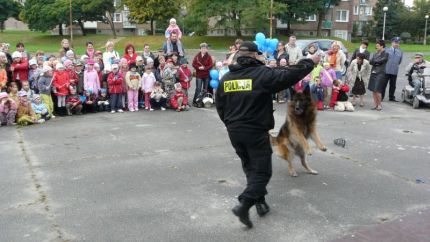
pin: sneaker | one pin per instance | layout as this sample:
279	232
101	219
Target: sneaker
146	108
131	110
163	109
178	110
151	109
52	116
113	111
137	110
40	121
120	111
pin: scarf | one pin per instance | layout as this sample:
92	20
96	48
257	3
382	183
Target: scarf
333	59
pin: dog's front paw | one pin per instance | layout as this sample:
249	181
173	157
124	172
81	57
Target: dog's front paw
309	152
323	148
293	173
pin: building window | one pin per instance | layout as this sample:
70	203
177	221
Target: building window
343	34
117	17
369	11
342	15
311	18
356	9
116	3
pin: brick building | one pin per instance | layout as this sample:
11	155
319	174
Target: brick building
339	20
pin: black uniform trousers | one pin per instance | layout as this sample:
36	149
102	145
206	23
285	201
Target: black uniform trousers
255	152
391	80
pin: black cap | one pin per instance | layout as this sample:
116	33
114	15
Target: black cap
183	61
249	46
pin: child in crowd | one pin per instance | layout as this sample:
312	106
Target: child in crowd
99	73
3	72
90	103
173	27
224	69
13	92
123	68
61	83
133	80
115	80
70	69
103	101
73	103
179	100
98	59
318	94
158	98
91	78
84	59
335	93
40	108
45	85
80	77
8	109
327	75
148	81
342	103
169	78
27	89
185	76
19	68
25	114
33	74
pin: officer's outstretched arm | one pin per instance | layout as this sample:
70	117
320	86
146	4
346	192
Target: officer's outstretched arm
280	79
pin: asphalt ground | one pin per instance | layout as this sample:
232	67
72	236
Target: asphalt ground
168	176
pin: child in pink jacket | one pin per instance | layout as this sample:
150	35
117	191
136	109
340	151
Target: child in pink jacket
148	81
328	76
173	27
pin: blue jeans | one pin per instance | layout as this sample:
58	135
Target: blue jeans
417	85
201	84
339	75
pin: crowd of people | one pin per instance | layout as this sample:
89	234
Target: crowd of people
37	87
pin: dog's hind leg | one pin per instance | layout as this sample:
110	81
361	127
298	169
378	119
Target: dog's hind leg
306	166
316	138
284	153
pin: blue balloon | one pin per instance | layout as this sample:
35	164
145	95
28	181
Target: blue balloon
214	84
274	43
214	74
267	44
260	38
167	34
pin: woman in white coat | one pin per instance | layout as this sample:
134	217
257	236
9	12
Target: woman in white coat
358	75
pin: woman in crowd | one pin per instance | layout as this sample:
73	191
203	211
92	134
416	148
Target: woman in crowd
358	75
336	58
377	77
280	53
110	56
202	63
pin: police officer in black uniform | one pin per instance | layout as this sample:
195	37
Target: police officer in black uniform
244	104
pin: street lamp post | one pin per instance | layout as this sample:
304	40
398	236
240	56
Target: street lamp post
385	9
271	18
71	23
425	30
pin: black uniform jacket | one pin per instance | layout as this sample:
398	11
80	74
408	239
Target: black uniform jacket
244	96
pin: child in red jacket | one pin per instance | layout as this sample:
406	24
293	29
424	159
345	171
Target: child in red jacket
19	68
115	80
185	76
61	83
179	100
73	102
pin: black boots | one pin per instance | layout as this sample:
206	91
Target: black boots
262	208
242	211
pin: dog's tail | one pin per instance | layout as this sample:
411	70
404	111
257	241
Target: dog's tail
283	133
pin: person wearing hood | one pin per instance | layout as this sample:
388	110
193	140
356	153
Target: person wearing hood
8	109
25	113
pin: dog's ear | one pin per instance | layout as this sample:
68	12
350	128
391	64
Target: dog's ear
307	91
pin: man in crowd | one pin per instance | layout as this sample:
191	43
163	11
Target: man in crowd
392	67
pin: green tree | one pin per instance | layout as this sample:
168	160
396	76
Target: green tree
392	22
230	14
321	8
152	10
296	11
8	8
41	15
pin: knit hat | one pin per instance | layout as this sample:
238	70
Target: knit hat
78	63
67	63
16	54
90	62
59	66
2	54
46	69
3	95
123	60
184	61
36	97
98	53
132	65
83	57
172	20
139	58
32	62
70	53
419	54
149	60
22	93
114	66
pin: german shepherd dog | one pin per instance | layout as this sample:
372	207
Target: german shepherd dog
299	126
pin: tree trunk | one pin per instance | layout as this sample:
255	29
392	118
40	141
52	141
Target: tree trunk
288	27
152	27
319	24
60	29
1	26
112	25
81	24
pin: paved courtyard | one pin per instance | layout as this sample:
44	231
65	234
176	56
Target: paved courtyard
167	176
